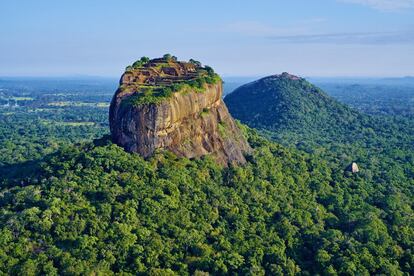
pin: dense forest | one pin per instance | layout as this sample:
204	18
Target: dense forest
300	115
383	97
73	203
95	208
39	115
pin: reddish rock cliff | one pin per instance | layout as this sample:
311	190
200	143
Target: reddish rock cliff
191	121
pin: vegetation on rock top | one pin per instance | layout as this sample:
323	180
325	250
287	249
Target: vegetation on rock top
154	80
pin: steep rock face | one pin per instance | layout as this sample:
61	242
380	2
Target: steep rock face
191	122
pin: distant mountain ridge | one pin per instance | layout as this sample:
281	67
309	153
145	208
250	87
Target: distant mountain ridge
407	80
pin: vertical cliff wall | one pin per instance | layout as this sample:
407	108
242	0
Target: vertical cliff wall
176	106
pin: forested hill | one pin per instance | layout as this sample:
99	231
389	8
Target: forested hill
286	103
95	209
292	111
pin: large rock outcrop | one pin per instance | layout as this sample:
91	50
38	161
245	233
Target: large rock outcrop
176	106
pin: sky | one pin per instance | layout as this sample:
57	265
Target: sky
325	38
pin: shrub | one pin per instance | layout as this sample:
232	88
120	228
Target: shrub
195	62
139	63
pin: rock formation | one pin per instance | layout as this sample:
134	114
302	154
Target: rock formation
176	106
353	168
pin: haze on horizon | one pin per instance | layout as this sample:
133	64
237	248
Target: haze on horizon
370	38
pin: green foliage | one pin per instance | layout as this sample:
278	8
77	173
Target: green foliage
378	99
160	93
297	114
94	209
34	129
149	96
169	57
282	105
139	63
204	112
195	62
97	209
222	129
154	95
209	70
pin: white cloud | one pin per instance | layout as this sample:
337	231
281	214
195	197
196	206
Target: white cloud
310	32
384	5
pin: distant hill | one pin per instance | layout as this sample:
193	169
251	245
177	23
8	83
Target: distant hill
406	81
374	99
287	103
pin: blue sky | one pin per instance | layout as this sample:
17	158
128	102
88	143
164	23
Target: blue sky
237	38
